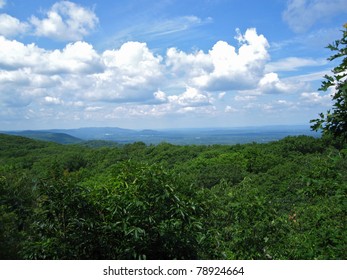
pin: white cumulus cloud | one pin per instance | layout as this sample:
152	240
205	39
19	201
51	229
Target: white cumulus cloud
223	67
190	98
132	73
11	26
270	83
65	21
78	57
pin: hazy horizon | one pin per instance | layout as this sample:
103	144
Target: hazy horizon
178	136
167	128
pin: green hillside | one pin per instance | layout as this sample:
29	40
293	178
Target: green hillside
280	200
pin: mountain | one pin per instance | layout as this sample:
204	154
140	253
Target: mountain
186	136
197	136
98	133
61	138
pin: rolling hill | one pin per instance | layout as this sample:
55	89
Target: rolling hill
61	138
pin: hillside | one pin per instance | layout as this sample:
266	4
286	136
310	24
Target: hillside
280	200
61	138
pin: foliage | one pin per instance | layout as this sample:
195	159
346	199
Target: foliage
280	200
335	122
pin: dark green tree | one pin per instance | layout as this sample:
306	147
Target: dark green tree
334	122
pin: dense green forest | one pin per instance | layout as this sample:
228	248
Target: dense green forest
280	200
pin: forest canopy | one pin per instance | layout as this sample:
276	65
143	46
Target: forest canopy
280	200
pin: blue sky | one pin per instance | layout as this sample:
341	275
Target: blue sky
164	64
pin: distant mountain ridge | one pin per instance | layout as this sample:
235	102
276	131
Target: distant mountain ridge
61	138
199	136
96	133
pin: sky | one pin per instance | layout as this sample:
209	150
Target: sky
149	64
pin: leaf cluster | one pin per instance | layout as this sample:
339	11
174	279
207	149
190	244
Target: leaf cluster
335	120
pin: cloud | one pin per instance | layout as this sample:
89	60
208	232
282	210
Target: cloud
76	82
223	67
279	105
175	25
245	97
133	78
53	100
94	108
132	73
65	21
135	111
28	73
10	26
270	83
193	64
275	106
314	98
310	77
149	28
129	74
230	109
190	98
78	57
191	101
14	54
293	64
301	15
160	96
133	58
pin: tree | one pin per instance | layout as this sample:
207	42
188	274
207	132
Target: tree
334	122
